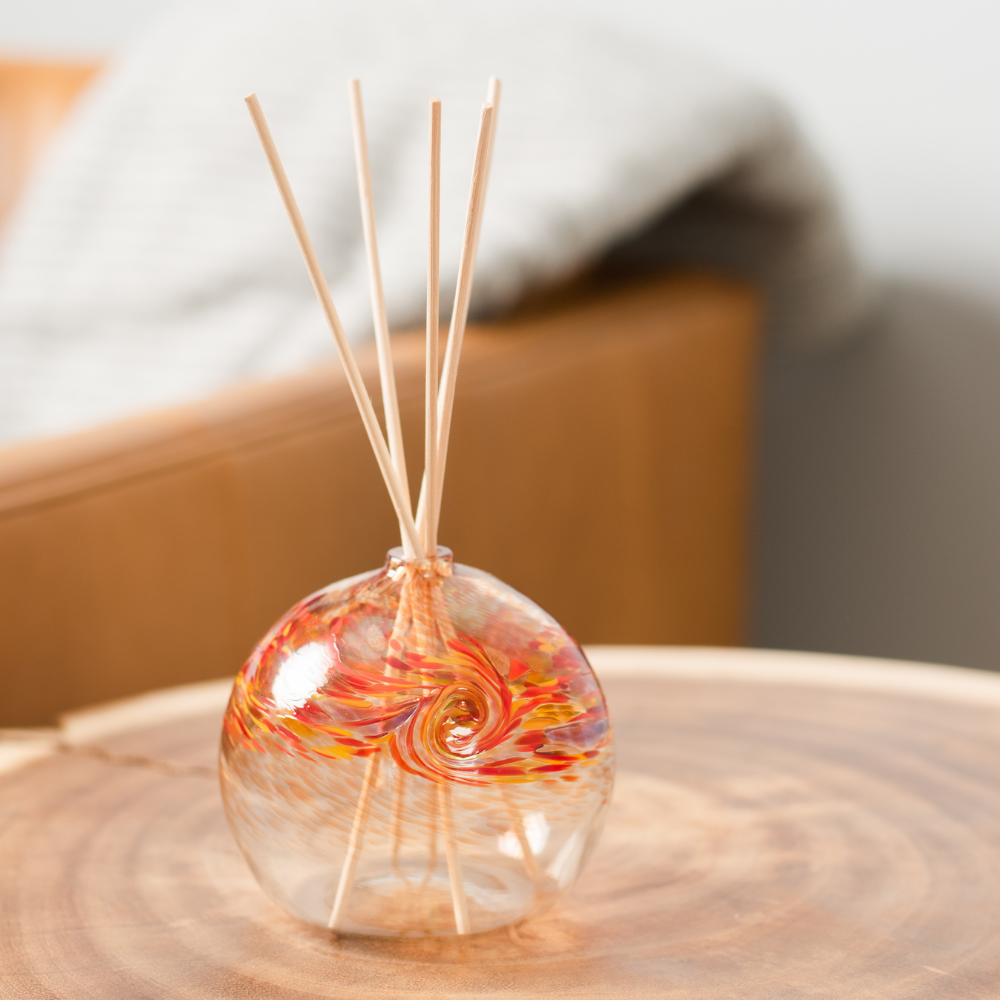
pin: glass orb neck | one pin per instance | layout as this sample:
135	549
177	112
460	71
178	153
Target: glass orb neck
439	565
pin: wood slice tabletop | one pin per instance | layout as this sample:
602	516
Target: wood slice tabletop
784	825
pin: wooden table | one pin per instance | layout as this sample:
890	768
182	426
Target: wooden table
784	825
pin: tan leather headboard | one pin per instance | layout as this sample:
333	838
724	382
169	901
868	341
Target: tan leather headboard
600	462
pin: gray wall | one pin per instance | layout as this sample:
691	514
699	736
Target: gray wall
879	491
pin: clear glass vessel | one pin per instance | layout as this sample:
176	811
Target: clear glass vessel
416	750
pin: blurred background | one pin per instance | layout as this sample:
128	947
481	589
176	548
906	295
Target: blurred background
878	483
900	98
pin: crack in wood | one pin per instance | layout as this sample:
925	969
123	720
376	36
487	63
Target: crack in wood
138	760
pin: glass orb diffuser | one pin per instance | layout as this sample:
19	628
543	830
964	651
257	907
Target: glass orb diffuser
419	750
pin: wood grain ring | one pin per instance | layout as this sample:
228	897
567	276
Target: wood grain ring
774	835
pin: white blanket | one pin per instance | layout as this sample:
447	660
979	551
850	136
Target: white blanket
150	261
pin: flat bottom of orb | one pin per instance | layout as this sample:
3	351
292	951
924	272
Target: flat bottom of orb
407	901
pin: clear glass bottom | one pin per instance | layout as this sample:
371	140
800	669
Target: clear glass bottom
419	857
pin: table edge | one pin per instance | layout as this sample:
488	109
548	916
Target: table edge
694	663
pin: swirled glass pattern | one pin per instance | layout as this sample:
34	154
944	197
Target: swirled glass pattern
417	750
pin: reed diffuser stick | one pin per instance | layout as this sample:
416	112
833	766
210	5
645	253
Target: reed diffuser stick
355	842
400	497
427	511
492	97
428	524
387	376
345	884
460	310
459	903
463	291
517	821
